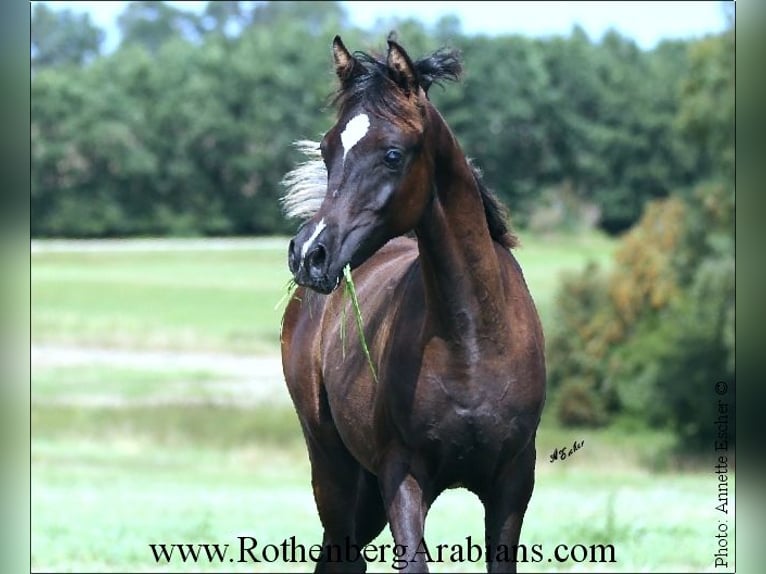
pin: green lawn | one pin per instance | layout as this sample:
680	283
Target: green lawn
214	299
129	454
160	299
107	483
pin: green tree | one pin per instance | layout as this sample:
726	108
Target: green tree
313	17
662	330
187	127
152	23
706	115
224	16
62	37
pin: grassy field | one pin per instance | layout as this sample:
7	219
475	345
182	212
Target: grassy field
221	299
184	299
164	438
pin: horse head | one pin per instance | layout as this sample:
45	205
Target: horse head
377	160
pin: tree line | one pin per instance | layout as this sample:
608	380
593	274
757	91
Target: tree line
186	128
652	340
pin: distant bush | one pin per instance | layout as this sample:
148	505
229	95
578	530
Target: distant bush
598	313
650	339
560	209
585	328
579	404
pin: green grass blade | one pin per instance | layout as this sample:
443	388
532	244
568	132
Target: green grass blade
290	290
359	322
343	331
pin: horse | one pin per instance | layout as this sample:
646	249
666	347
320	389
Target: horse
453	389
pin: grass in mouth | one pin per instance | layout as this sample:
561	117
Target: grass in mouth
351	291
287	296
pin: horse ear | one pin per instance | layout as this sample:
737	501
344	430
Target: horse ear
402	68
346	65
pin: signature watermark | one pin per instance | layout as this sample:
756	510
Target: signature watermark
565	452
721	471
249	549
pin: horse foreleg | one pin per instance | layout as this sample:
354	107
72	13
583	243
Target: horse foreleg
406	507
335	478
370	513
504	508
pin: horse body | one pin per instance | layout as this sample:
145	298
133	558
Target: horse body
450	325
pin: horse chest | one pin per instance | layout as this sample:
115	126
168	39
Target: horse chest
458	418
468	407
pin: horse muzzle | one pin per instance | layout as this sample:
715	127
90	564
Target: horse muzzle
318	252
310	265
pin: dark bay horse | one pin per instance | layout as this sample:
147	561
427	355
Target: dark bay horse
452	331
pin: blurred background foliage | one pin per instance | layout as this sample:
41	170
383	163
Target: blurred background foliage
186	130
647	339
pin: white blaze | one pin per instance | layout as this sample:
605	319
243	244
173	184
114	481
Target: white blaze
317	230
355	130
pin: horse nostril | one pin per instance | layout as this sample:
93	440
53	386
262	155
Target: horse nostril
315	260
292	257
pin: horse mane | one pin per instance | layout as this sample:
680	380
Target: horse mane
372	83
495	212
444	64
306	184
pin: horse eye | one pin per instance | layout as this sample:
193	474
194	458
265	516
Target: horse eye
393	158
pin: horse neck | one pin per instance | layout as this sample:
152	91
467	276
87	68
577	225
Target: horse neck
464	290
